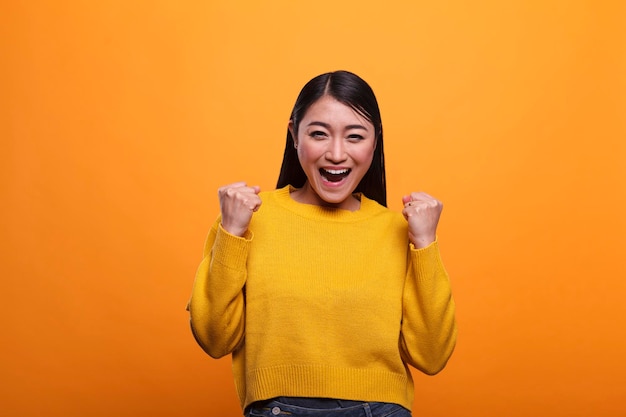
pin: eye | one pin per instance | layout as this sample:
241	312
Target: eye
318	134
355	137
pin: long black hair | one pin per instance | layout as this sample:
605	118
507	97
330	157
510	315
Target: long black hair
351	90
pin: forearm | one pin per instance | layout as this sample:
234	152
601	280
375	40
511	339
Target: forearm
428	324
217	307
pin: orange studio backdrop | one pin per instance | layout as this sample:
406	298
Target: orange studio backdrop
119	121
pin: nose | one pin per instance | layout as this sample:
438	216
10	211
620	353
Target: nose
336	151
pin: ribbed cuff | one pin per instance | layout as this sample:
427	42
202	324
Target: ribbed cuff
427	259
230	250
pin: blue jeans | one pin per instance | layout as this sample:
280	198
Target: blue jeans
276	408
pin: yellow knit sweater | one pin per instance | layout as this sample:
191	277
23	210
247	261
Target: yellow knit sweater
318	302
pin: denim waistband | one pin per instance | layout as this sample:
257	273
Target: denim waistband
308	402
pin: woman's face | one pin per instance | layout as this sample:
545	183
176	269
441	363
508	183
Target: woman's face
335	146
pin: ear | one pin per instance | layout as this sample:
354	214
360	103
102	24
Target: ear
290	126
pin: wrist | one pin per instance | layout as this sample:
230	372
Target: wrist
234	230
420	242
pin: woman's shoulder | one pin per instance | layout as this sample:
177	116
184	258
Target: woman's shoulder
275	195
378	210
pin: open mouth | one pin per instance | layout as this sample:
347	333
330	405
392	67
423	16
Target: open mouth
334	175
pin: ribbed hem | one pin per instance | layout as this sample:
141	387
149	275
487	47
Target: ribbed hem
328	382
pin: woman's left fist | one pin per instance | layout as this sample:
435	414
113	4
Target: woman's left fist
422	211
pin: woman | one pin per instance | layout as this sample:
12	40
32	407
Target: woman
322	294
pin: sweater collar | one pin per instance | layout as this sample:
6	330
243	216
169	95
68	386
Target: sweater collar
367	209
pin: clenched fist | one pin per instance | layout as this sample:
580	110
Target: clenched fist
422	212
237	204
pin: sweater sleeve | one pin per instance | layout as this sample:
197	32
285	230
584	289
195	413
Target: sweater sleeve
217	305
428	334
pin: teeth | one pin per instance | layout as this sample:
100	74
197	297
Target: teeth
337	171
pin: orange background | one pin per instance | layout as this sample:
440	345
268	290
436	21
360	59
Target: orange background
119	120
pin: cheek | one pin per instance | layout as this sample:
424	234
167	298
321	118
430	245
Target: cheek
308	153
302	153
304	156
366	156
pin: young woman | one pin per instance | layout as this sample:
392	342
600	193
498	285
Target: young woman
322	295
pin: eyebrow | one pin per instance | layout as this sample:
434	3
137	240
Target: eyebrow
327	126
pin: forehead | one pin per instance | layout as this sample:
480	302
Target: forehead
329	110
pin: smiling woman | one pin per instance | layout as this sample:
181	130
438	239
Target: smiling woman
360	112
335	148
322	295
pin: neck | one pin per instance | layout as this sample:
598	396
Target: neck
306	195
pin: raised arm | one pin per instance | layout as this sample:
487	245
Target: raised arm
217	304
428	324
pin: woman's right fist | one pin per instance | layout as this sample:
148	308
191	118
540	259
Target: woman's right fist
237	203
